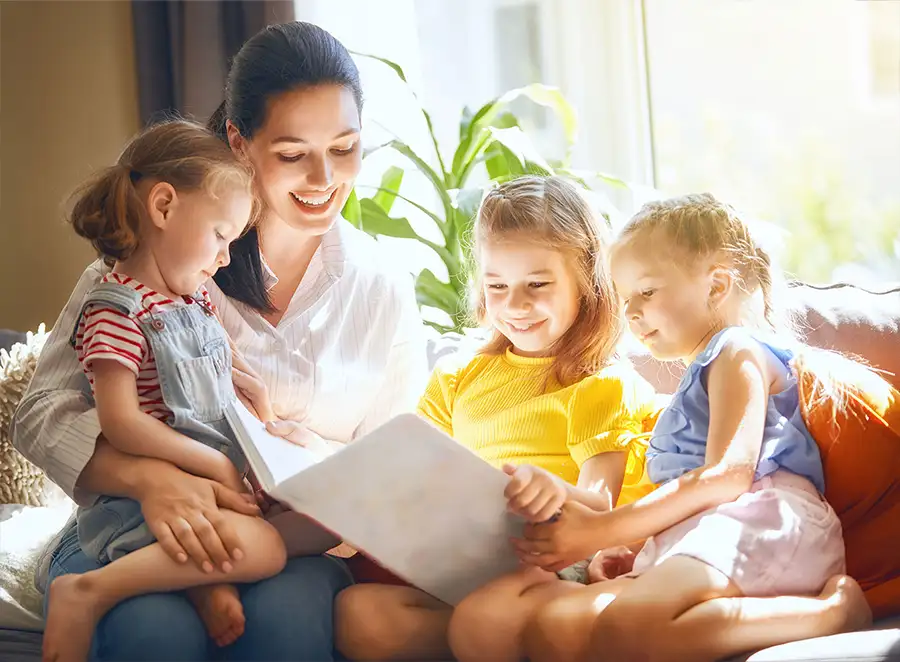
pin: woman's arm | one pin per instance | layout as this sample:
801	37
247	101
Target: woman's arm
55	426
738	387
182	511
132	431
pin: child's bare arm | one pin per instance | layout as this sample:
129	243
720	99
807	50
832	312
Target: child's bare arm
600	481
131	431
738	387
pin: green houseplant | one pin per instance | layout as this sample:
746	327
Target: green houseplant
492	143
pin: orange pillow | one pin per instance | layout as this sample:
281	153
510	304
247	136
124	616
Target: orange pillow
860	448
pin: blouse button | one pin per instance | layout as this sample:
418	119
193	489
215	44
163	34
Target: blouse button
158	324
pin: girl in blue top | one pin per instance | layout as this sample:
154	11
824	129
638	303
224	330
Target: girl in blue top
739	514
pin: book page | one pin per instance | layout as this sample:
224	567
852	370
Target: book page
273	459
417	502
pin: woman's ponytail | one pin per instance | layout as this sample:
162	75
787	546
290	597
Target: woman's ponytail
218	122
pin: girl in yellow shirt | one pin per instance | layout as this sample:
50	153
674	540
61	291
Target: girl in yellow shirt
545	400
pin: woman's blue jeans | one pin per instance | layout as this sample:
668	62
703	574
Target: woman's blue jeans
289	616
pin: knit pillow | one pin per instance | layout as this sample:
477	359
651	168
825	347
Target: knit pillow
20	481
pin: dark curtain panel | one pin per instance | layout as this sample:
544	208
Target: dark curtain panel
184	48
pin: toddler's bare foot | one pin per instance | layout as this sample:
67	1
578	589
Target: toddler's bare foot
849	602
73	611
220	609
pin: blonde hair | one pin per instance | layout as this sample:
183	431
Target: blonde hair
701	227
552	211
107	209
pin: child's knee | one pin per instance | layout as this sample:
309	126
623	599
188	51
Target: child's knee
620	632
264	553
485	626
365	622
557	631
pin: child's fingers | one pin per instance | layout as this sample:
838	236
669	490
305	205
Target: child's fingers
522	502
520	479
530	507
550	507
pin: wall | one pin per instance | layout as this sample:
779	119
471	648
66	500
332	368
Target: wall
68	103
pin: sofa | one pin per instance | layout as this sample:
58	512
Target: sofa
842	317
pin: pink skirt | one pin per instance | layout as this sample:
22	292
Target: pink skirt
780	538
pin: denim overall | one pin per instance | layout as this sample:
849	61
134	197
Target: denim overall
193	360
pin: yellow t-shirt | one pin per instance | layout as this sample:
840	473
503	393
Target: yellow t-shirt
510	408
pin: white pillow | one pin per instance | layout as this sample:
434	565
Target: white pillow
24	533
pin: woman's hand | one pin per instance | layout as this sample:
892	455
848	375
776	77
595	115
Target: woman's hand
183	513
611	563
534	493
250	387
574	535
298	434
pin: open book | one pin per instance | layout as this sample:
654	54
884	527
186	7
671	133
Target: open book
407	495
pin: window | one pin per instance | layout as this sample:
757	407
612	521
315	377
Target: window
519	56
757	102
883	31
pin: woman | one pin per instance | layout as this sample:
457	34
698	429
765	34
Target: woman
315	310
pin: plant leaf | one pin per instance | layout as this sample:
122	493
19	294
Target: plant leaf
466	151
502	163
517	142
393	65
437	219
440	328
549	97
375	221
399	71
436	180
430	291
584	175
390	187
489	114
465	121
351	210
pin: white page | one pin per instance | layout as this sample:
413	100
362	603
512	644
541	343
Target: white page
416	501
272	458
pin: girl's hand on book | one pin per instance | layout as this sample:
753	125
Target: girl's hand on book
533	493
566	539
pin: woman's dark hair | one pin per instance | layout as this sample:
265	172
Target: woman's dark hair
278	59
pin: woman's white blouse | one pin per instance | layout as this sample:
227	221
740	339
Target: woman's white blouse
348	354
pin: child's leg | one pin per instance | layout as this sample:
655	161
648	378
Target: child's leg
489	624
737	625
78	602
384	622
693	611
